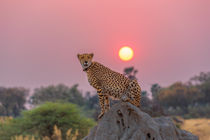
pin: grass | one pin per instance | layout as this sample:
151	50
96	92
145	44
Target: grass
57	135
199	127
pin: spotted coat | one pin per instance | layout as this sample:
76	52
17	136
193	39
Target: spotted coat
112	84
109	83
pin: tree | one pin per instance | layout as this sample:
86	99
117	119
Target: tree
145	101
12	101
201	78
92	108
41	120
92	102
130	72
157	109
179	95
202	82
155	89
57	93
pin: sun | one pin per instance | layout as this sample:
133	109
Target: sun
126	53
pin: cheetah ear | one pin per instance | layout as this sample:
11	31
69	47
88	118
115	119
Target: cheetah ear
78	55
92	55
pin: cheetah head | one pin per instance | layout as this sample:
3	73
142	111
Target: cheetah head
85	60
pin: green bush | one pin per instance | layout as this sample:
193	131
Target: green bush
41	120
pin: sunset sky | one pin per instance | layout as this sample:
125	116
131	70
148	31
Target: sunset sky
40	39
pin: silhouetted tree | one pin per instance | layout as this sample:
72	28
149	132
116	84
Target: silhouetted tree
12	101
155	89
130	72
201	78
145	101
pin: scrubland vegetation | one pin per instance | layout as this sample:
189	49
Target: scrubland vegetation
189	100
47	121
61	112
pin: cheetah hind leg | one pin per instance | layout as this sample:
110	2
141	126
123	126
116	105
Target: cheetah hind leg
105	104
133	101
134	93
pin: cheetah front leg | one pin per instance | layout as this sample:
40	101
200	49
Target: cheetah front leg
101	102
107	103
104	104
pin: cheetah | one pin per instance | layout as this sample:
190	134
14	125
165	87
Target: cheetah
109	83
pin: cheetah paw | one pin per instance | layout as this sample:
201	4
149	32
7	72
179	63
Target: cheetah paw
100	115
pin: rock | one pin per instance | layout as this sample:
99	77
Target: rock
125	121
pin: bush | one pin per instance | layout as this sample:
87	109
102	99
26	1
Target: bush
41	120
198	111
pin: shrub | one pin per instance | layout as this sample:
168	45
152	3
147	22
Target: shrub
40	121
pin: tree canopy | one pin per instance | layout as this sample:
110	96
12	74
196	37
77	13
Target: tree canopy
12	101
58	92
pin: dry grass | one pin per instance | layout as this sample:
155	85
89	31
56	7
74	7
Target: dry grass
57	135
199	127
4	120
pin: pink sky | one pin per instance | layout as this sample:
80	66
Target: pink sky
39	39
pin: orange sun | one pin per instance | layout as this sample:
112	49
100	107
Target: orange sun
126	53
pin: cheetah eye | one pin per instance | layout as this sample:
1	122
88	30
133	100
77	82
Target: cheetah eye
82	57
88	57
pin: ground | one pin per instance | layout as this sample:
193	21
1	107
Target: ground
199	127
